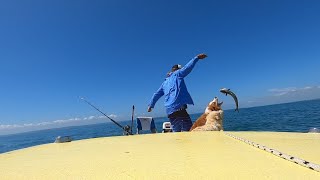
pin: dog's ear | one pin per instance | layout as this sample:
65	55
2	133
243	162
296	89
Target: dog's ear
215	101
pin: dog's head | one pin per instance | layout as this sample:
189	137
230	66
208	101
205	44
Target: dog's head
214	105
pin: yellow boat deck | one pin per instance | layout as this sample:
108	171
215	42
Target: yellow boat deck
196	155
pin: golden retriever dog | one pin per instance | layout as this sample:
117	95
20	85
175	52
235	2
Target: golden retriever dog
211	119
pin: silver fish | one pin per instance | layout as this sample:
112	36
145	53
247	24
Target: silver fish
228	91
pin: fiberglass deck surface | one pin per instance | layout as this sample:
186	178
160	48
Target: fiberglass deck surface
197	155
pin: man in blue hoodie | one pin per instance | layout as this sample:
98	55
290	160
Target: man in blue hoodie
176	95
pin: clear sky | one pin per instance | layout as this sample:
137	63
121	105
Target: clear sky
116	53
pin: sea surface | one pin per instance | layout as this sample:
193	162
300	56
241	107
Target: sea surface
289	117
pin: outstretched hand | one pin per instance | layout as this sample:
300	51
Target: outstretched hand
202	56
149	109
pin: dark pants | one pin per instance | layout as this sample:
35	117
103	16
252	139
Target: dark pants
180	121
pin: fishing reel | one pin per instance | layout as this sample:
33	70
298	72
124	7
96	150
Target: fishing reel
127	130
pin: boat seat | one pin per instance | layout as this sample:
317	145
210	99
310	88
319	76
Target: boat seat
146	123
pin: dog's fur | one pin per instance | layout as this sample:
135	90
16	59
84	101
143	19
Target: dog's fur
211	119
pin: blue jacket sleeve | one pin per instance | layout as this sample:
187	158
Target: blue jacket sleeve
156	96
183	72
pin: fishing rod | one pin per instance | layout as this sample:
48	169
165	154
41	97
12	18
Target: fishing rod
125	128
132	119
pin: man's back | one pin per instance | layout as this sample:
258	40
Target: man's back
175	91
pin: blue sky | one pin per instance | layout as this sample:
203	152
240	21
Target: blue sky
116	54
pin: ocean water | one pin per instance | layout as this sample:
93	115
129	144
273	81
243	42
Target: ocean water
289	117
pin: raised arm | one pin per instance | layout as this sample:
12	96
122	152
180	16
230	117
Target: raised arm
183	72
